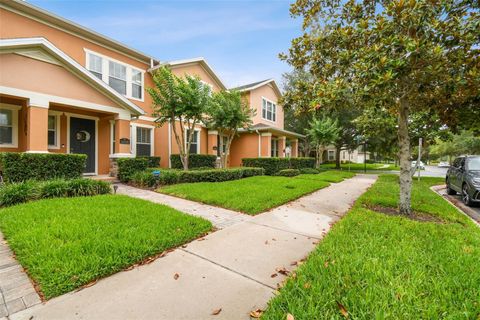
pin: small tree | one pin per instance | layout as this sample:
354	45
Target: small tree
323	132
227	113
185	100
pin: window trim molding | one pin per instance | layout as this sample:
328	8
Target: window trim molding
199	130
261	110
133	138
57	115
105	73
14	109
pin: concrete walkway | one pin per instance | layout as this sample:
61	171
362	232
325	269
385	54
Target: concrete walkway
231	272
220	218
16	291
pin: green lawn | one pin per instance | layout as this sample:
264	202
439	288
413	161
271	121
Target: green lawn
65	243
255	194
360	166
389	267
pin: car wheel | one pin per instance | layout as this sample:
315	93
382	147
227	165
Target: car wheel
450	191
465	196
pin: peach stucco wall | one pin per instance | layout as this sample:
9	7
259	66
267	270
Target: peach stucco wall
13	25
195	69
37	127
243	146
256	102
30	74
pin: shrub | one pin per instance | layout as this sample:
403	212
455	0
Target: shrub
152	162
194	161
302	163
288	172
15	193
309	171
143	179
274	165
18	167
128	166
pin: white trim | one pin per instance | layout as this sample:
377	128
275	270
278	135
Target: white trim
198	141
211	132
261	84
133	138
57	115
26	5
121	155
14	109
33	151
81	116
128	72
259	144
274	106
169	143
266	134
147	118
112	134
73	66
36	97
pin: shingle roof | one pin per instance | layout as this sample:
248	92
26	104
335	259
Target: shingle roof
250	85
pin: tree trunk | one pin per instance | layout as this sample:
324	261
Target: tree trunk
404	157
317	156
337	157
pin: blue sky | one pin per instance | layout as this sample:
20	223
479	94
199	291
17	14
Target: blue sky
240	39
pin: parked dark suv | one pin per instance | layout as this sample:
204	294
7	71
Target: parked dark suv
464	177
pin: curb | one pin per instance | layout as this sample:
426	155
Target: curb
469	212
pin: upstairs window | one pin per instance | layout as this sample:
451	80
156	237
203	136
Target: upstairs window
95	65
117	77
136	84
123	78
269	110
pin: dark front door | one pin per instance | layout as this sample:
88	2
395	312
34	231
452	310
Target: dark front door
82	140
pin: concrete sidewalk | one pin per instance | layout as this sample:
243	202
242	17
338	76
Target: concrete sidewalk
235	269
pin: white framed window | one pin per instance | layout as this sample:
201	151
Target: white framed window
117	77
144	141
53	130
331	155
195	143
95	65
274	148
123	78
223	149
269	110
9	126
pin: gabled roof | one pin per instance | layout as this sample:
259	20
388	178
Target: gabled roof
199	60
73	66
266	127
258	84
26	9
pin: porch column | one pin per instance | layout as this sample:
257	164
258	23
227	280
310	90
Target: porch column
122	137
294	146
282	144
212	142
37	126
266	145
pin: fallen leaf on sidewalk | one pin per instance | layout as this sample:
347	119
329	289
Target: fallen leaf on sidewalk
216	312
282	270
273	275
201	239
294	263
266	241
290	317
176	276
342	309
256	314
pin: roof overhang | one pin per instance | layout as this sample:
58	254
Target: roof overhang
10	45
26	9
261	84
274	130
201	61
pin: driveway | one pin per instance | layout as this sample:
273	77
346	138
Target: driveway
225	275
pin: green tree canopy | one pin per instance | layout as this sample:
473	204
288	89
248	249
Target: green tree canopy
322	132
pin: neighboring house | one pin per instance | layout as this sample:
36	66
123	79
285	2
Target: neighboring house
355	156
68	89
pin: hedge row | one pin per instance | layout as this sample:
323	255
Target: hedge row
19	167
128	166
15	193
147	179
288	173
194	161
274	165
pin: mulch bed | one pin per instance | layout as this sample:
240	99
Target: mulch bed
416	216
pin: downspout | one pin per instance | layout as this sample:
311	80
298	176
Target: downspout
259	144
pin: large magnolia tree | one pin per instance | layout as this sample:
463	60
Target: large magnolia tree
227	113
182	100
403	56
